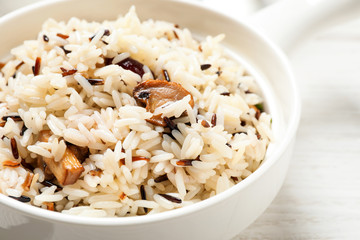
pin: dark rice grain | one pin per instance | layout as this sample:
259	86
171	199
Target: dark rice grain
63	36
175	34
213	120
108	61
161	178
48	183
166	75
67	72
14	148
143	196
65	51
22	198
23	129
205	124
19	65
185	162
170	124
219	72
205	66
96	81
16	118
27	165
235	179
171	198
45	38
132	65
36	68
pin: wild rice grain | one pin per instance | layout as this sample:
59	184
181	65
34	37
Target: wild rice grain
67	72
10	164
23	129
63	36
143	196
213	120
45	38
22	198
161	178
205	66
185	162
170	198
16	118
205	124
175	34
65	51
170	124
166	75
93	81
50	184
19	65
106	32
26	165
14	148
36	67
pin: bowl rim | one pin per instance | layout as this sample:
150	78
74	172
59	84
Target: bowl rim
294	120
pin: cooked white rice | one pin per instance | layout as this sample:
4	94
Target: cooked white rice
196	160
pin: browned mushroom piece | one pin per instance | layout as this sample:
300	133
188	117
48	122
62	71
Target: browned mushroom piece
155	93
81	153
44	135
68	169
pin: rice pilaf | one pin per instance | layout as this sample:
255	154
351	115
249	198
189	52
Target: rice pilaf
125	118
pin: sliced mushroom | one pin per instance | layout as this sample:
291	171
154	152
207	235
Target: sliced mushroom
155	93
44	135
81	153
68	169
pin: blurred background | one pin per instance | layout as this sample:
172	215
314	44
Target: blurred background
247	6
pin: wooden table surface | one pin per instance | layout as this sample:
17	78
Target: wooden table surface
320	198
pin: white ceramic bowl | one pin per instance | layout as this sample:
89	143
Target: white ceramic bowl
220	217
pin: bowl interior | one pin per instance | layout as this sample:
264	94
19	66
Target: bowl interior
260	57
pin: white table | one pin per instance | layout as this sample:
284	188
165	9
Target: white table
320	198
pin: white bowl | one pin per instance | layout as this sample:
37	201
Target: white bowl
220	217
